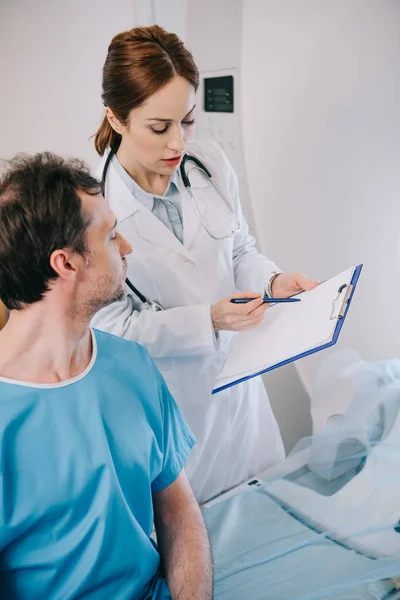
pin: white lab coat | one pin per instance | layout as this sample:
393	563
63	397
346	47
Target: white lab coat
236	431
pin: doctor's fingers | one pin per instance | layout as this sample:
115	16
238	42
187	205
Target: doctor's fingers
245	309
235	322
258	310
303	283
249	323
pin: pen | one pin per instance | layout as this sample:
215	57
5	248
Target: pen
266	299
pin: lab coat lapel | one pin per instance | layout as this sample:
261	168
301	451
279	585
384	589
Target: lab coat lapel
191	220
153	230
119	197
149	227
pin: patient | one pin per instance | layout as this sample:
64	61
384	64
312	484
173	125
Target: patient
92	444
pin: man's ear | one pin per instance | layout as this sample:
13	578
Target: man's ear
114	122
65	263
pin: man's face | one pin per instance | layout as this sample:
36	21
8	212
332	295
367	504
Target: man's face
103	277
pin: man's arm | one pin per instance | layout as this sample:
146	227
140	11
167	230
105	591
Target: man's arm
183	542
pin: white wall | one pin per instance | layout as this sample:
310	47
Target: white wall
214	35
52	54
170	14
218	53
321	122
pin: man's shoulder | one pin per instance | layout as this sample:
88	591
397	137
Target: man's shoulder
130	366
118	348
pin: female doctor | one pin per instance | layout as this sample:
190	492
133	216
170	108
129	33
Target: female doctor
192	254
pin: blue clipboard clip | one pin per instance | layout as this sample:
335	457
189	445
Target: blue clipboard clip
341	301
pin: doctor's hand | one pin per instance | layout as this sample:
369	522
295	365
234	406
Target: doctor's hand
288	284
238	317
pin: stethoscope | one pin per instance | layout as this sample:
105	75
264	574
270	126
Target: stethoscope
152	304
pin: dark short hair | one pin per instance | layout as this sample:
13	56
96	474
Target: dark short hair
40	212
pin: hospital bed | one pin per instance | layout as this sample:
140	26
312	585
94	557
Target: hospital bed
326	523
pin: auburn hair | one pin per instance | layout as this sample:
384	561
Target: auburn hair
139	62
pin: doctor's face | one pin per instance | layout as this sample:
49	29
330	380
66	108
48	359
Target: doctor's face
104	272
158	131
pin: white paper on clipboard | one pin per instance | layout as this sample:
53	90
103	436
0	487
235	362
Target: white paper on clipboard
288	330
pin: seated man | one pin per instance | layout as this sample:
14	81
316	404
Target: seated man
92	445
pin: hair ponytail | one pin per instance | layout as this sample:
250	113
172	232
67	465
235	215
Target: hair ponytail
105	137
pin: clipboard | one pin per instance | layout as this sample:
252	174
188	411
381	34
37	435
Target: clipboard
339	307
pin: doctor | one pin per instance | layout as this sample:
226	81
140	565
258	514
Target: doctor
192	254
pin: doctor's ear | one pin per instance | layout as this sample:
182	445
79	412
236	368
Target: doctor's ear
114	122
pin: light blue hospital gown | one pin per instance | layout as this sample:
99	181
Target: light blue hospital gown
78	463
